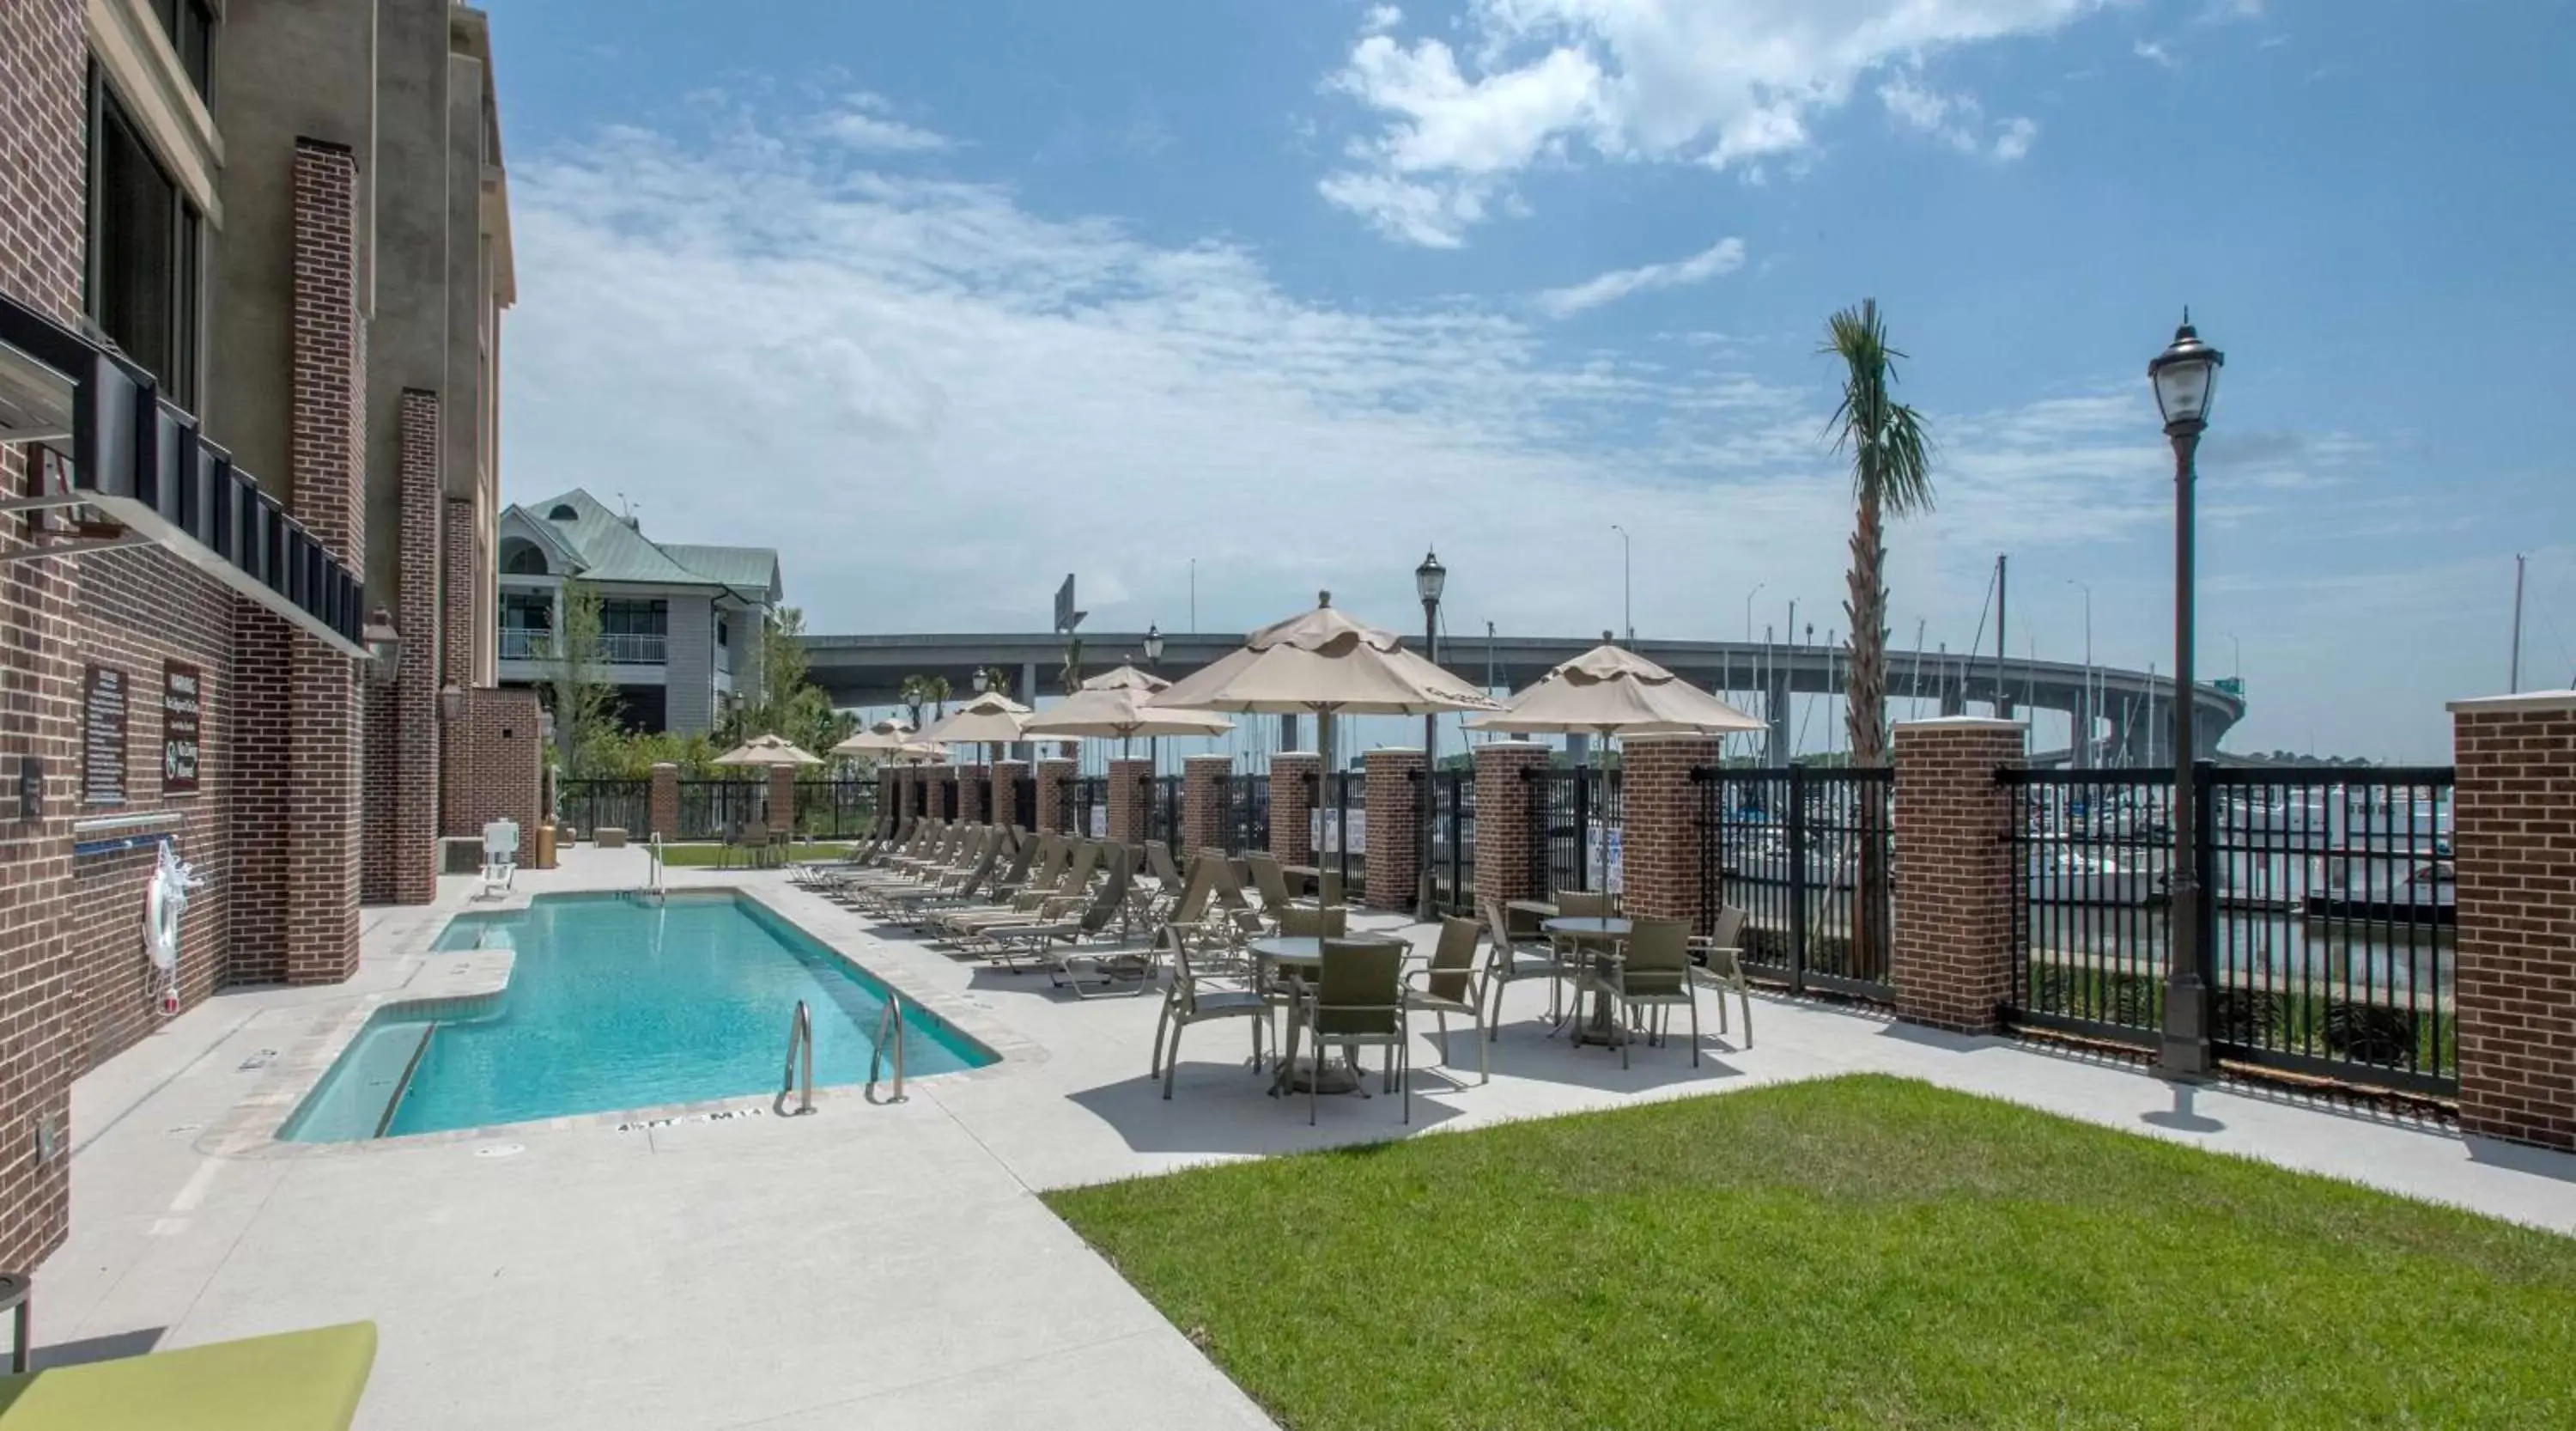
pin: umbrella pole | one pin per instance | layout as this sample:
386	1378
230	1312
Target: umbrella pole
1323	787
1600	788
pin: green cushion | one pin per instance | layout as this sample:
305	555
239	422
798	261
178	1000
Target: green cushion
294	1381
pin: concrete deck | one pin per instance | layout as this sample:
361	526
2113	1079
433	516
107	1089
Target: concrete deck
884	1266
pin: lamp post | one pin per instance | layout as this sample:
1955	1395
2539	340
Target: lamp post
1627	607
1428	581
2185	377
1153	664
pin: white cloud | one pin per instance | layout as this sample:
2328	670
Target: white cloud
1728	83
864	123
1722	257
2154	52
1380	19
1956	120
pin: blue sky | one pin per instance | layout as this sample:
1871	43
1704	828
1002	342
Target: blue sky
946	300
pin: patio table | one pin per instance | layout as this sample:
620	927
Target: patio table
1589	932
1306	956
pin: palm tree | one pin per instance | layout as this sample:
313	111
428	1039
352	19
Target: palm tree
1891	476
916	691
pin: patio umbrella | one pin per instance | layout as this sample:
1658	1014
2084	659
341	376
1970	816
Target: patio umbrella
766	750
1610	692
885	739
1125	678
990	718
1323	662
1121	712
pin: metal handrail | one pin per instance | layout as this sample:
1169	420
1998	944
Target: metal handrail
653	847
889	1020
800	1039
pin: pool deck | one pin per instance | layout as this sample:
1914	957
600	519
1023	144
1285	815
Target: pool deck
886	1266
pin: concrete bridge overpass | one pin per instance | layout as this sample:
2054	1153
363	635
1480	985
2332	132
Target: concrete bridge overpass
868	671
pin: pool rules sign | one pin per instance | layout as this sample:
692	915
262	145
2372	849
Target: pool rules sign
180	713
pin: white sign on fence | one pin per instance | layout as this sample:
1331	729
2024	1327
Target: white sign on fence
1601	862
1325	825
1100	822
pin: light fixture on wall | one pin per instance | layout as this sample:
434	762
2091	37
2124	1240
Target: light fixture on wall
384	643
451	704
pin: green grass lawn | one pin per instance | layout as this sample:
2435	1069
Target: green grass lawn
1862	1251
709	856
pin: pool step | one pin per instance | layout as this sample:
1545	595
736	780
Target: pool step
402	1085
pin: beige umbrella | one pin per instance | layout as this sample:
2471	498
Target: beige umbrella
991	718
887	738
1125	678
766	750
1611	692
1121	712
1323	662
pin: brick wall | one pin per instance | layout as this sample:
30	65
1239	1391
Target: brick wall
1392	793
1203	792
492	750
456	593
1004	802
2513	841
1294	776
974	782
780	811
1659	838
1131	785
1952	960
662	802
1055	794
1503	816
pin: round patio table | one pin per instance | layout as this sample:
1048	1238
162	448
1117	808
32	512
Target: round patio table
1307	957
1602	1027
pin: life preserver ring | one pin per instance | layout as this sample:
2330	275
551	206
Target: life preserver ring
165	898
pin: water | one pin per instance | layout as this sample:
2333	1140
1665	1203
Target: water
617	1004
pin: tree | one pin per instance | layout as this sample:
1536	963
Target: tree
790	706
585	705
1891	476
918	691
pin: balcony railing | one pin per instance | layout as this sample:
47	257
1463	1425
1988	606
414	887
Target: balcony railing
616	648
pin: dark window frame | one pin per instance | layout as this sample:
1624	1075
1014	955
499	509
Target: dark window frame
183	304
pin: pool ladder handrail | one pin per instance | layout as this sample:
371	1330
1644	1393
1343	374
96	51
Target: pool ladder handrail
800	1040
653	884
889	1025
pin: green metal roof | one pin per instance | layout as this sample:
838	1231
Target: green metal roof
609	548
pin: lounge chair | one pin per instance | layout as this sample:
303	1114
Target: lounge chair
1272	884
1037	904
1451	984
1513	958
292	1381
1199	995
1721	957
500	858
1653	974
1358	1001
1014	943
983	852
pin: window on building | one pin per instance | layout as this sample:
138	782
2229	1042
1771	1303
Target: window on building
146	250
190	24
523	559
634	618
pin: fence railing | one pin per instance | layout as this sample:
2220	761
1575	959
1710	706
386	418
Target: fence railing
588	806
710	809
1808	855
835	809
2325	922
1245	825
1453	841
1575	823
1024	802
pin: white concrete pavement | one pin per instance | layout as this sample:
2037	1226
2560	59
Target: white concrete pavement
891	1266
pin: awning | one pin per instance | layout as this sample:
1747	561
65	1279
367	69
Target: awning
145	476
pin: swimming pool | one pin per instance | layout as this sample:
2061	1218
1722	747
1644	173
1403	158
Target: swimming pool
615	1003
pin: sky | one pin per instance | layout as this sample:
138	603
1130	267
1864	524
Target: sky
1218	303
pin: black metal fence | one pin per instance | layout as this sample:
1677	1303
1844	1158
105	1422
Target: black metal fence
835	809
1809	856
2325	921
588	806
1453	840
1246	822
1336	798
1163	810
1024	802
710	809
1091	806
1566	802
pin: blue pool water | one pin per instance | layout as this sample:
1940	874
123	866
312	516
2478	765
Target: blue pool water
614	1004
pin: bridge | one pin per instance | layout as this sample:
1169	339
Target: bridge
2125	710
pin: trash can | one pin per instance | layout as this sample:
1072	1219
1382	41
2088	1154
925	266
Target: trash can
546	846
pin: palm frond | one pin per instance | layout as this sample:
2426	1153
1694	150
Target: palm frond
1891	449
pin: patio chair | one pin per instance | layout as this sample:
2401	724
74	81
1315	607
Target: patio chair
1014	943
1358	1001
967	927
308	1380
898	901
1451	984
1582	904
1721	956
1272	884
500	858
1512	958
1284	987
1199	994
1654	974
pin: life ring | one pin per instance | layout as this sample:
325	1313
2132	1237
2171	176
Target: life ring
165	898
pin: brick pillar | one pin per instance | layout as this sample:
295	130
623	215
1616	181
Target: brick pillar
456	593
1392	794
2514	845
899	783
1952	963
1295	776
1055	794
327	455
972	782
1131	785
944	799
413	847
662	807
1659	823
1503	815
1203	792
781	814
1007	775
44	53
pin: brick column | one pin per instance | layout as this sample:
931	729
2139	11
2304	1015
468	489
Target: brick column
1130	786
972	783
1055	794
2513	838
1007	775
662	808
1659	834
410	807
456	593
1295	780
1952	961
782	798
1203	782
1392	794
1503	814
492	754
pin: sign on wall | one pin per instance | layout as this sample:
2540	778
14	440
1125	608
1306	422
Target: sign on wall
1602	856
181	710
103	706
1328	833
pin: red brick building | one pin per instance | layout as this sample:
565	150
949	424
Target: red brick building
252	261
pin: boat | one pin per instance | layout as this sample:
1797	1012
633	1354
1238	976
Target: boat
2423	895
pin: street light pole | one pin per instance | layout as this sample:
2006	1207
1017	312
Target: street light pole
1429	579
2084	737
1153	663
2185	376
1627	609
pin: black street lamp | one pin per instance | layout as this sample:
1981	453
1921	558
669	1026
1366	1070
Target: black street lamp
2185	376
1153	661
1429	579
